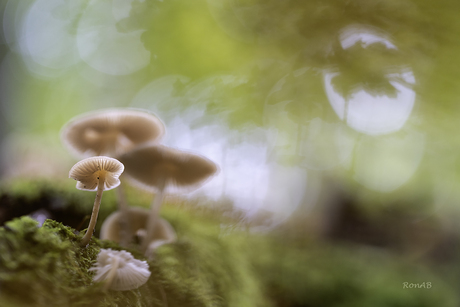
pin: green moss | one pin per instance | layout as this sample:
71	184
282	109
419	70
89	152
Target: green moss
45	266
325	275
42	265
24	188
212	264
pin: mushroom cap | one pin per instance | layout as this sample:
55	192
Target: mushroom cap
155	166
87	173
130	274
137	220
110	132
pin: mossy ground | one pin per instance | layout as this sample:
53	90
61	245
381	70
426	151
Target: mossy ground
210	265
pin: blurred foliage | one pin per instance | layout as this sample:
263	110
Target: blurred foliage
203	38
259	43
363	68
182	38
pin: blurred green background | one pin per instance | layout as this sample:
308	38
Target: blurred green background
338	118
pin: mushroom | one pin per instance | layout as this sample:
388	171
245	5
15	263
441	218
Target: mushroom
110	132
160	168
119	270
137	217
96	174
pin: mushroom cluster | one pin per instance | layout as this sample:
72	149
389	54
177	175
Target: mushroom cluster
111	132
131	138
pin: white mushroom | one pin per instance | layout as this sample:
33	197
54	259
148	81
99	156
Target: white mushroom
119	270
96	174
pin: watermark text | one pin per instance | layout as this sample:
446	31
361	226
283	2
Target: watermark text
420	285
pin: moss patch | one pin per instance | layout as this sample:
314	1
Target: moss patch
323	275
45	266
214	263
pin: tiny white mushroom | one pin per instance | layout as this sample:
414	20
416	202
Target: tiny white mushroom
96	174
119	270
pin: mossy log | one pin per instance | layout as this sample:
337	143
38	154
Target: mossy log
213	263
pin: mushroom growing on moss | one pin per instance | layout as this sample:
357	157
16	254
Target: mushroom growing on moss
160	168
137	217
119	270
96	174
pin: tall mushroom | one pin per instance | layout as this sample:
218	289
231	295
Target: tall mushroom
160	168
96	174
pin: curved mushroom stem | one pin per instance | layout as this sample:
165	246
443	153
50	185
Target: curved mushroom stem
97	203
112	273
153	218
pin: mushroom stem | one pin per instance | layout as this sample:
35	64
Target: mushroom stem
124	222
112	273
153	218
97	203
122	203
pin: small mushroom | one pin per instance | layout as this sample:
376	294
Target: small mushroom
96	174
119	270
137	217
160	168
110	132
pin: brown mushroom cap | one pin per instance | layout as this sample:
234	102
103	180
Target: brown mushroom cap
154	166
88	171
110	132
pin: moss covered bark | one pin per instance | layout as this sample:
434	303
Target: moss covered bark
44	266
209	265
